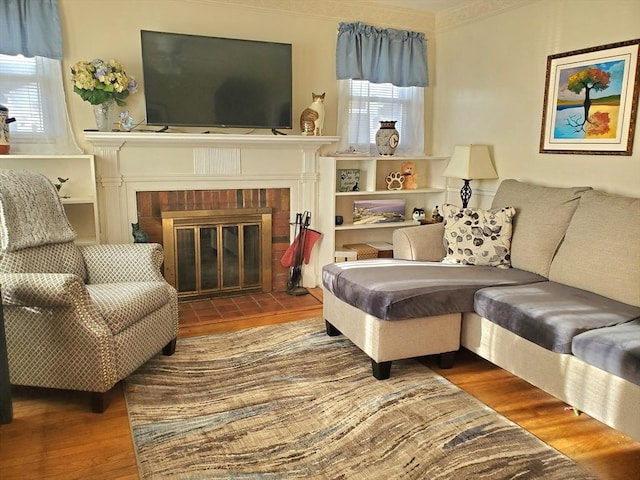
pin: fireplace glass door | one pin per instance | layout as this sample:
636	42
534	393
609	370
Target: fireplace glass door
219	256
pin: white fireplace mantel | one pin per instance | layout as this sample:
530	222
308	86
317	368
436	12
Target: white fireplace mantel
129	162
142	139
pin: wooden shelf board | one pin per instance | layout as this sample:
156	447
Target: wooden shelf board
389	192
351	226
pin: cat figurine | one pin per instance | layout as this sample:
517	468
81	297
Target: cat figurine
139	235
312	117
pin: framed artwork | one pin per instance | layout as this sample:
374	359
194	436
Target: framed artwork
591	100
348	180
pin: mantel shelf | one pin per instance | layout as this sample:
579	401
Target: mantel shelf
204	140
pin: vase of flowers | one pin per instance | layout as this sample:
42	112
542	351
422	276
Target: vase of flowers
104	85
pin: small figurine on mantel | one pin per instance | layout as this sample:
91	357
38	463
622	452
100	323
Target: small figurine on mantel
435	215
312	117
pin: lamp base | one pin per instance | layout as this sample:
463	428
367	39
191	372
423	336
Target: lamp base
465	193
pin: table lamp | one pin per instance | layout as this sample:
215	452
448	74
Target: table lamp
470	162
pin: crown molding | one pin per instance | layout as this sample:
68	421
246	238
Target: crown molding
340	11
476	10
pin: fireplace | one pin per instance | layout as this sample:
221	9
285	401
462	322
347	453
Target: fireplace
217	252
154	206
141	174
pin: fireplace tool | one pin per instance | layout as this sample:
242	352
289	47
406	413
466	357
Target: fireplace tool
299	251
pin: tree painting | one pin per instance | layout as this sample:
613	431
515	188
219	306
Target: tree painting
589	100
588	79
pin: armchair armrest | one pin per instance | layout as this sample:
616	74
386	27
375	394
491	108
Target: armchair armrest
422	243
44	290
137	262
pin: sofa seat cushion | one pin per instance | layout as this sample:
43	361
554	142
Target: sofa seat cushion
550	314
613	349
397	289
123	304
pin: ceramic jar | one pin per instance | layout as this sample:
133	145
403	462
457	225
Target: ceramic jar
387	137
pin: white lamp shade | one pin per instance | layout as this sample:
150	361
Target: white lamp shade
469	162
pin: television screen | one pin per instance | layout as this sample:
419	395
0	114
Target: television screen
192	80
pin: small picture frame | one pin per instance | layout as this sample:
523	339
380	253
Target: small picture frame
378	211
348	180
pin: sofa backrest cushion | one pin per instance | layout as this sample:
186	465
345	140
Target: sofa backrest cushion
601	250
542	217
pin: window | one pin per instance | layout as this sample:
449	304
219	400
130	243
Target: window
32	90
22	94
362	105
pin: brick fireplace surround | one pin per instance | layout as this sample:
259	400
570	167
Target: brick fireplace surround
141	174
150	206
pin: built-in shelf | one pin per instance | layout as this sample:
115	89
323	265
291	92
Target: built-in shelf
372	184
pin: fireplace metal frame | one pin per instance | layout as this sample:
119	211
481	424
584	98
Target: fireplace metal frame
172	221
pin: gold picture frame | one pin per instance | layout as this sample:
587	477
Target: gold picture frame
591	100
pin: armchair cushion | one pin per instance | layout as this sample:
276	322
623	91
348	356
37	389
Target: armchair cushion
138	262
123	304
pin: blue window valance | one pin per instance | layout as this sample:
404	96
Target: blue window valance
30	28
380	55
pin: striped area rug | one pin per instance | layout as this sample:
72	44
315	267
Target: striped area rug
288	401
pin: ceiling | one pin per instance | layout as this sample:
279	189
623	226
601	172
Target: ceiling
432	6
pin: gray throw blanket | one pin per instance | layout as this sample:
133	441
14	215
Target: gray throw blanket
31	213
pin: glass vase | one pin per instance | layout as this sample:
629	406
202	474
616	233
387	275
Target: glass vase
104	114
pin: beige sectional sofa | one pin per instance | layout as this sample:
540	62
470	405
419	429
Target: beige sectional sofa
565	317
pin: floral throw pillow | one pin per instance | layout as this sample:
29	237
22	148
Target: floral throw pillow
478	237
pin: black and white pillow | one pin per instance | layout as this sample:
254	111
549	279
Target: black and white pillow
473	236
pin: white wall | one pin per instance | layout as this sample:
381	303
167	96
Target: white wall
95	29
487	70
489	88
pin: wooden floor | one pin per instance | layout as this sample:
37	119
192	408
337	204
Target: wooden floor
55	436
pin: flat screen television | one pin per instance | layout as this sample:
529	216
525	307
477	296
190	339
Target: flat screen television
193	80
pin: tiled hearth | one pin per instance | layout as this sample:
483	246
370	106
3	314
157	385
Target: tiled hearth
151	204
193	313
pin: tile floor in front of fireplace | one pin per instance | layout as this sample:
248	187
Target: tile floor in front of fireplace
212	310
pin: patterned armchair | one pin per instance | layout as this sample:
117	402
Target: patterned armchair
76	317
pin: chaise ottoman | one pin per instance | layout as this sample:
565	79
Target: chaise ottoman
397	309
